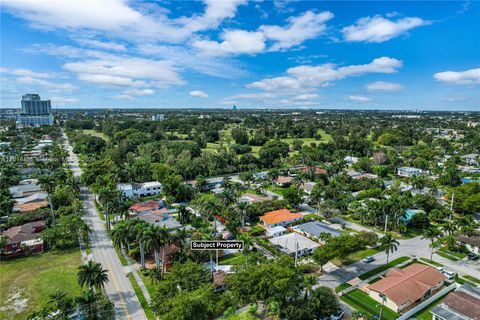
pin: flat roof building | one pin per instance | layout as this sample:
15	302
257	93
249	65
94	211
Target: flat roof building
294	243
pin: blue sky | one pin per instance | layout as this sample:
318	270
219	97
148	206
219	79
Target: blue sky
262	54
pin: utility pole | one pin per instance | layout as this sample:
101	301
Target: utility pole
451	202
296	253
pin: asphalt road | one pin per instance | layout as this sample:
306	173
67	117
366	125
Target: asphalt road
118	288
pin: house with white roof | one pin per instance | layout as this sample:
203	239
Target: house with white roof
140	189
409	171
293	243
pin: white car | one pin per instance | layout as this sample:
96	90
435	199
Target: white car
439	269
368	259
449	274
337	315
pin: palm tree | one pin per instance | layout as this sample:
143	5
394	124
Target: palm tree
389	244
247	244
317	195
152	241
211	207
141	238
184	214
273	310
272	176
432	234
120	235
308	283
92	275
48	184
242	211
62	302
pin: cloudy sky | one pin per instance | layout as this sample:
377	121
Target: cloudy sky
263	54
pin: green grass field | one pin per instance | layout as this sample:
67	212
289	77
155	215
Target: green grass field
96	134
232	259
355	257
26	283
425	313
362	302
342	287
379	269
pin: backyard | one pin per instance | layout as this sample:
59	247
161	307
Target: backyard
362	302
26	283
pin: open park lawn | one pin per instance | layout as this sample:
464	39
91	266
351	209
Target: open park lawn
25	283
360	301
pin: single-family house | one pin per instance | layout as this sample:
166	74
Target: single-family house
295	244
24	238
160	218
409	214
140	189
276	231
282	217
409	171
24	190
314	169
254	198
307	187
284	181
472	243
144	207
315	229
28	207
350	159
461	304
401	288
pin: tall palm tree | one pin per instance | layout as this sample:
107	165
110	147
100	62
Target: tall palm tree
432	234
141	239
272	176
209	208
92	275
152	243
242	211
247	244
48	184
120	235
389	244
317	195
308	283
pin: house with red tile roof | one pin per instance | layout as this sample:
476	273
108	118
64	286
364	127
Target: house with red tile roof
462	304
282	217
284	181
24	238
316	170
28	207
143	207
402	287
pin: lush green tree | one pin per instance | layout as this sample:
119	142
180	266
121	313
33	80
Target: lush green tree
388	244
92	275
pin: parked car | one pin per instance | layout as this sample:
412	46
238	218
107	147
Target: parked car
439	269
449	274
337	315
368	259
472	256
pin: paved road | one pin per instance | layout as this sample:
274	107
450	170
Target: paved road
119	288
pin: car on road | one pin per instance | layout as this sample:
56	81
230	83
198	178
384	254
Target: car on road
368	259
472	256
449	274
337	315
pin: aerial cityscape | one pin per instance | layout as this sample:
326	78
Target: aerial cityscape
239	160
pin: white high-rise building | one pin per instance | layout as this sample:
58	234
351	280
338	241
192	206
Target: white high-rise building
35	111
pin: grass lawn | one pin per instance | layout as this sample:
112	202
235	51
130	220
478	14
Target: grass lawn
433	263
96	134
141	298
446	255
472	279
362	302
237	258
356	256
342	287
148	283
26	283
278	190
425	313
458	255
121	257
384	267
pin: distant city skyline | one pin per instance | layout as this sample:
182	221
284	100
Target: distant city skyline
262	54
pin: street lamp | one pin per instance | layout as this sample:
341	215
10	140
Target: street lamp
381	295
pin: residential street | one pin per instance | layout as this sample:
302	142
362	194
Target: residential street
118	289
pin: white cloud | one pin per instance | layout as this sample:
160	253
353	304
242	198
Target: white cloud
47	84
383	86
359	98
114	46
380	29
140	92
63	100
234	42
198	94
471	76
309	25
305	77
307	96
27	73
121	18
123	97
126	71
